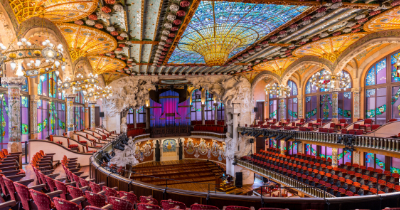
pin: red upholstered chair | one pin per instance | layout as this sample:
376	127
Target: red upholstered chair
148	199
74	191
147	206
63	187
373	127
367	124
344	131
95	199
342	121
110	192
51	183
42	201
169	204
120	204
24	195
62	204
237	208
83	182
10	187
202	207
96	188
356	126
130	196
392	120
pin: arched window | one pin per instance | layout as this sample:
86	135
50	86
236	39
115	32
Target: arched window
381	82
319	101
292	101
209	110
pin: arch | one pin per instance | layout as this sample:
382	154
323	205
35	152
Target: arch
389	36
299	63
8	23
37	26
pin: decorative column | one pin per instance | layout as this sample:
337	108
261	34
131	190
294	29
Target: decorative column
14	114
87	117
266	106
299	147
147	117
282	109
33	116
356	157
70	113
216	113
334	157
134	118
300	107
203	120
335	109
228	122
283	145
356	104
92	115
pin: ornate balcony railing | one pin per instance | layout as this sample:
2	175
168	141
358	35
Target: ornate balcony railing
369	142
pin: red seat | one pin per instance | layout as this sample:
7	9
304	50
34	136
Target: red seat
148	199
42	201
147	206
74	191
95	199
169	204
120	204
62	204
130	196
110	192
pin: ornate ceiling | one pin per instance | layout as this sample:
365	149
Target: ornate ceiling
194	37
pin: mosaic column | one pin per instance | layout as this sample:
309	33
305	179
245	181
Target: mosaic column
203	120
70	112
33	116
92	115
282	109
300	107
356	104
216	113
335	110
283	145
334	157
134	118
14	113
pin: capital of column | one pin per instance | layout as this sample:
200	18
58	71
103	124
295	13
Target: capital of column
34	98
71	95
14	81
92	102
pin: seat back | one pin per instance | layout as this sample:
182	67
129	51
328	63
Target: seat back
110	192
147	199
96	188
42	201
95	199
147	206
74	191
51	183
120	204
10	187
168	204
23	193
130	196
63	187
83	182
62	204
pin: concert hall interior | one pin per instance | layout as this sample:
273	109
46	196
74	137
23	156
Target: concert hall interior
199	104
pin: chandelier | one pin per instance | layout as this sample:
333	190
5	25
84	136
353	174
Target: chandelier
328	81
88	86
32	60
281	91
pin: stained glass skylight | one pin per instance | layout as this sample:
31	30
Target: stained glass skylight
219	30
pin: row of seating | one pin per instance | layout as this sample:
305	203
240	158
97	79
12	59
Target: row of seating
337	181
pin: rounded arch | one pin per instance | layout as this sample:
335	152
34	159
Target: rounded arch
261	76
36	27
306	78
389	36
299	63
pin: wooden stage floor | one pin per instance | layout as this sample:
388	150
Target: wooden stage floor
196	186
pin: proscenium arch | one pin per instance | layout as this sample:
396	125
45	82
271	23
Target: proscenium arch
389	36
299	63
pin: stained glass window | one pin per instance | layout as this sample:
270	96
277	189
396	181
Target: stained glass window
376	74
243	21
53	81
292	101
4	119
43	87
293	87
141	115
395	74
395	165
273	109
376	105
25	87
80	97
325	107
311	108
196	105
79	117
43	119
24	118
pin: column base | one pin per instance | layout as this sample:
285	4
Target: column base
15	147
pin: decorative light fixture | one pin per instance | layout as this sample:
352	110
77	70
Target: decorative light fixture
328	81
281	91
88	86
33	59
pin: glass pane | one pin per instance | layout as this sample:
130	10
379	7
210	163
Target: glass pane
326	107
369	160
395	102
380	106
395	167
381	72
395	74
380	161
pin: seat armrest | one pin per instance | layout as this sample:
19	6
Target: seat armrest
15	153
71	183
6	205
50	154
62	179
54	193
78	200
84	177
38	187
108	206
53	176
25	182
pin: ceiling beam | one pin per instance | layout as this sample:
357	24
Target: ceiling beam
305	3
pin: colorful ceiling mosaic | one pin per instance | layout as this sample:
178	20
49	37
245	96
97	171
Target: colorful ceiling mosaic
111	76
328	48
275	66
386	21
103	64
57	11
83	40
219	30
